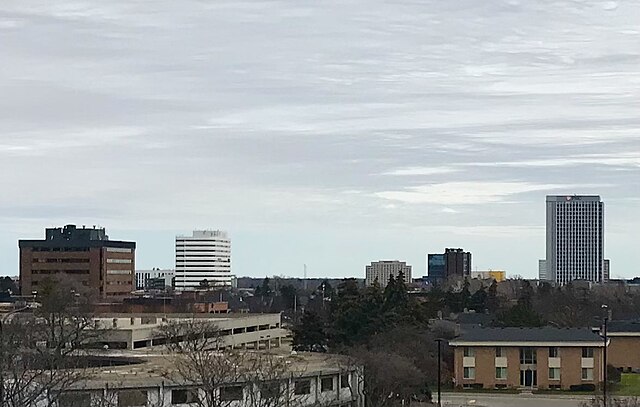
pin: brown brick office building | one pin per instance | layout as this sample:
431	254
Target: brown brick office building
84	255
537	358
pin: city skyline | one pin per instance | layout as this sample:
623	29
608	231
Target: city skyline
330	135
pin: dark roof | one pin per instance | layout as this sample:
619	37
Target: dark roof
623	326
545	334
474	318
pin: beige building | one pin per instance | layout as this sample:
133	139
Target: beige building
311	380
623	351
535	358
136	331
383	270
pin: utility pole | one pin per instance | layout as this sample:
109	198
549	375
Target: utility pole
605	308
439	372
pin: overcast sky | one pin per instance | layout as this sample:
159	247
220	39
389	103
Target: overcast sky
329	133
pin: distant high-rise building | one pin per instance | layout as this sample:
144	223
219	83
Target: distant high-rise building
384	269
451	263
83	255
575	239
203	260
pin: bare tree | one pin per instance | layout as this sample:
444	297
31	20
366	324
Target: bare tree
220	377
41	351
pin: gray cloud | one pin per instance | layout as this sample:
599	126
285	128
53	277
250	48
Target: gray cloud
365	128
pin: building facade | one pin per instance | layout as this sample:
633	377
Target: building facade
309	380
624	343
497	275
528	358
143	278
575	239
383	270
451	263
203	260
84	255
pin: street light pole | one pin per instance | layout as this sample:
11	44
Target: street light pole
604	384
439	372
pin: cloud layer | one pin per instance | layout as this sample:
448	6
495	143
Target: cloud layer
341	132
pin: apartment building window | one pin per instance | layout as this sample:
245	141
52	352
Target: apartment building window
500	353
302	387
469	373
132	398
587	352
587	373
553	352
554	373
344	380
528	356
501	373
270	390
183	396
326	384
469	353
231	393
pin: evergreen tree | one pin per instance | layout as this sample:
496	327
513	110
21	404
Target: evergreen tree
492	297
310	331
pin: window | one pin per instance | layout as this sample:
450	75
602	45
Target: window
501	373
528	356
326	384
302	387
270	390
469	353
553	352
469	373
183	396
554	373
344	381
587	352
74	399
132	398
500	353
587	373
230	393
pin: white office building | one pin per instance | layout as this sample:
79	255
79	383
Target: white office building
575	240
203	260
143	277
384	269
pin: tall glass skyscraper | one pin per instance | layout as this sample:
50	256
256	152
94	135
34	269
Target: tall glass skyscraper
575	239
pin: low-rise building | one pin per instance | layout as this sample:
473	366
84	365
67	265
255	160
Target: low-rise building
623	351
154	279
536	358
136	331
310	380
497	275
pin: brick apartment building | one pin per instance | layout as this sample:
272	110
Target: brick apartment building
624	345
537	358
84	255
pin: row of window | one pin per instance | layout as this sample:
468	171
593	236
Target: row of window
501	373
269	390
528	355
56	260
73	271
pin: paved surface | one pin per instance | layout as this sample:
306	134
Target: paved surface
510	400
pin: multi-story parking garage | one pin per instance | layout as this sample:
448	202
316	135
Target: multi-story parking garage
136	331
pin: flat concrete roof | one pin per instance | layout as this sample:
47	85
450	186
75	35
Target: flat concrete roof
151	372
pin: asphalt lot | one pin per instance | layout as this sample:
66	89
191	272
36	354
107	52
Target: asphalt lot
509	400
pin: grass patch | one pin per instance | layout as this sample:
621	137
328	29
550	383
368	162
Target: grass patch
629	385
